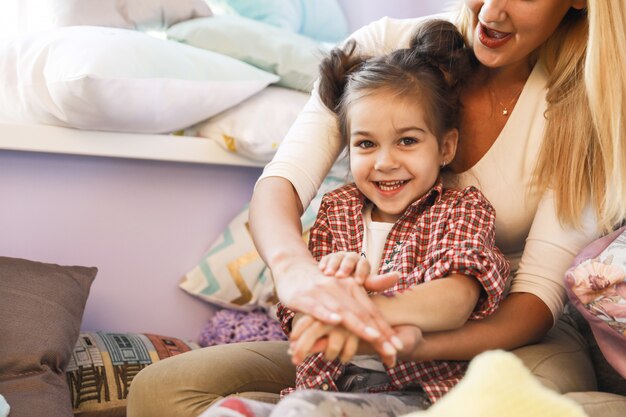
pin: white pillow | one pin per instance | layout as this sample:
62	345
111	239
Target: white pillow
255	127
118	80
295	58
125	14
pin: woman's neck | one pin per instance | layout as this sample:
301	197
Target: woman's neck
505	78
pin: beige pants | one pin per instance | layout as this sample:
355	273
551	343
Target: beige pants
185	385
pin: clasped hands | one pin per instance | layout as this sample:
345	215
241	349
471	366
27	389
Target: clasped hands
348	321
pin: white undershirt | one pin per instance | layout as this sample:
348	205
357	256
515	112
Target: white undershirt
374	239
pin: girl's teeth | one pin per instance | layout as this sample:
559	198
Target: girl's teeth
390	185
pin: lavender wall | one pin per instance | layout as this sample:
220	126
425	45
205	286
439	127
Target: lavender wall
142	223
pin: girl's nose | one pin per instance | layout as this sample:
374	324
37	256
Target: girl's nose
385	161
493	11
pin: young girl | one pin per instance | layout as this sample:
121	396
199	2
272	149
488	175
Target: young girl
398	115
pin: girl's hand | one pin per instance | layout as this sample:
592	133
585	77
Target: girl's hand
345	264
312	336
334	341
411	337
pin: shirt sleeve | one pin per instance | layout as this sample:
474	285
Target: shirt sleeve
468	248
313	143
550	250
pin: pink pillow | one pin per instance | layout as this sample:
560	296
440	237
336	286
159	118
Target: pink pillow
596	286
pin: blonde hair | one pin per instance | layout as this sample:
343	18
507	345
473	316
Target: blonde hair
583	154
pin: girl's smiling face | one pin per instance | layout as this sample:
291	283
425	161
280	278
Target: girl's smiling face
506	32
395	158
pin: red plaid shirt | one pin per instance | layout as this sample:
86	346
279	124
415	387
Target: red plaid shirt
444	232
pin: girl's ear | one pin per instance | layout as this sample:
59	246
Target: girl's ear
579	4
447	147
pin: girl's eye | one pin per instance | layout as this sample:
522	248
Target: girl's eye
365	144
408	141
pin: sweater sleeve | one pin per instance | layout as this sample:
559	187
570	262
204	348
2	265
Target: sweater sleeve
550	249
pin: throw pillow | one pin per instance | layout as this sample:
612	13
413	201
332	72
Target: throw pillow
255	127
118	80
125	14
230	326
294	58
322	20
596	286
232	274
103	365
41	310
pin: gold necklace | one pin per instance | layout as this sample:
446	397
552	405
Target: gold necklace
505	109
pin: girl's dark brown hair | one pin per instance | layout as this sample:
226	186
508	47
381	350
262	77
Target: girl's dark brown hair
432	69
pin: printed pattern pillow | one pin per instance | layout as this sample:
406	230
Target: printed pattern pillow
596	286
232	274
103	366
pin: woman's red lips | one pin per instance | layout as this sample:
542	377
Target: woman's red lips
492	38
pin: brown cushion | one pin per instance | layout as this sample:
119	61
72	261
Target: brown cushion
41	309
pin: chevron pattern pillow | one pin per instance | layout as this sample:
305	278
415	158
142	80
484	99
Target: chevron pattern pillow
232	274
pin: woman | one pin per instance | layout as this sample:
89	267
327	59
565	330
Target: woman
543	112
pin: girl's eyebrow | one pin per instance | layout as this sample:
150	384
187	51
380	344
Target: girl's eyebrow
360	133
400	130
409	128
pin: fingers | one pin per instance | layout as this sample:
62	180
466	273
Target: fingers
411	337
300	326
301	347
329	264
362	270
345	264
337	296
344	301
336	341
311	303
350	348
339	343
379	283
388	344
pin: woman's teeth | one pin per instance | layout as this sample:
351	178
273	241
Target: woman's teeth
494	33
390	185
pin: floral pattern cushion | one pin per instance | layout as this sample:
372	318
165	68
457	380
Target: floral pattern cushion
596	286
